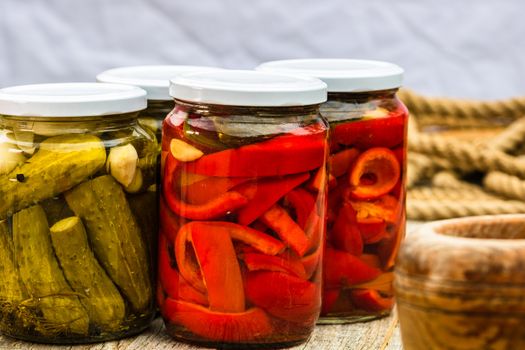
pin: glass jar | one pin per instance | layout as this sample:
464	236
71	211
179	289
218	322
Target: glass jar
154	80
366	204
242	209
78	213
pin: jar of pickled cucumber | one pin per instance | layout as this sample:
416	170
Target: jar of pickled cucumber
155	81
77	216
242	209
366	202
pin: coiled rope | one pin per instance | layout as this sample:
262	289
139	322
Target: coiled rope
450	176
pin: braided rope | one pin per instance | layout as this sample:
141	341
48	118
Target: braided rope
444	194
461	154
463	109
511	138
505	185
441	209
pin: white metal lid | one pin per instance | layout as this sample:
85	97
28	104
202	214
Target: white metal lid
342	75
248	88
154	79
71	100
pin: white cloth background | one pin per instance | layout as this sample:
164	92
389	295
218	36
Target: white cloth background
467	48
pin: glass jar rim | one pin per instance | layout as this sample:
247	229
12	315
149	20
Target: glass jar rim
154	79
71	100
341	74
248	88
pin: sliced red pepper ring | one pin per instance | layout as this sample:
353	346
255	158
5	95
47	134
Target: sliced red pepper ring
278	220
376	132
263	194
282	155
220	268
372	230
345	234
283	295
340	162
258	262
370	300
250	325
374	173
216	208
341	268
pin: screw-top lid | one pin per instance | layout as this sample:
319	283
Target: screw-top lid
342	75
71	100
154	79
248	88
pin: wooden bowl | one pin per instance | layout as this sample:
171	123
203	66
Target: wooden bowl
460	284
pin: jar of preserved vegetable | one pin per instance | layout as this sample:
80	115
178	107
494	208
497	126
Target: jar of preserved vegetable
366	204
242	209
155	81
77	216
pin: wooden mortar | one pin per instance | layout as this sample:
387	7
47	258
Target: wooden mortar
460	284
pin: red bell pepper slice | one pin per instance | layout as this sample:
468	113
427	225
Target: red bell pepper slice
371	300
330	297
374	173
378	132
340	162
387	208
170	281
282	155
258	240
159	295
245	326
284	296
343	268
388	248
345	234
218	207
169	223
257	262
371	260
263	194
220	268
206	190
311	262
278	220
188	267
303	204
372	230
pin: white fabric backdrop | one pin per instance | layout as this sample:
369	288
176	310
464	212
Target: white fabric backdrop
467	48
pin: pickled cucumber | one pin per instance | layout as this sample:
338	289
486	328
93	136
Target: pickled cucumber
11	289
115	236
61	163
100	297
144	208
56	209
42	277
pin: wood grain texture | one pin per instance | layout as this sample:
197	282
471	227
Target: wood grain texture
382	334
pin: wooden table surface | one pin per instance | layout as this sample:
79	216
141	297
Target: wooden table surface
382	334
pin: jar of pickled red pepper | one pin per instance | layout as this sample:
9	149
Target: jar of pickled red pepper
242	209
77	215
367	171
154	80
